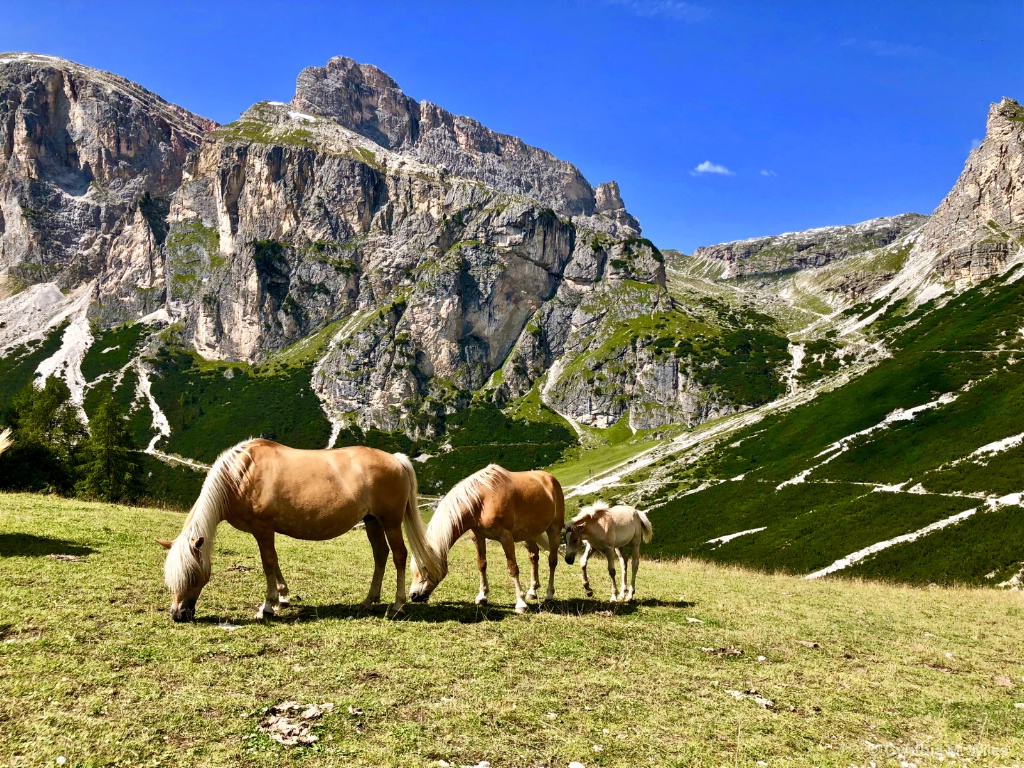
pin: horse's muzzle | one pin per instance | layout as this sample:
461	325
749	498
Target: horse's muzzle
183	613
419	597
570	559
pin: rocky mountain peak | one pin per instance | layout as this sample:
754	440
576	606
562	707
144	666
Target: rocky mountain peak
366	100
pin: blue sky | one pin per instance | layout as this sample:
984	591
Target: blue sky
798	114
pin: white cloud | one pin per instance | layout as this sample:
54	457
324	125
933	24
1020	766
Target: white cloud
975	143
768	173
708	167
672	9
883	48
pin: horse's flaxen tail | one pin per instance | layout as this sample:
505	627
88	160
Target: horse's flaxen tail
415	531
648	533
6	440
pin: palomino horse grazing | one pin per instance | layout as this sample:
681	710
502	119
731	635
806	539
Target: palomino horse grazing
608	530
495	504
264	488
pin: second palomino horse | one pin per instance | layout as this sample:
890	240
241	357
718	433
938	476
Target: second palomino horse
495	504
608	530
264	488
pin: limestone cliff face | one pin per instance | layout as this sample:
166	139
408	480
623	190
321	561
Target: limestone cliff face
808	249
365	100
978	227
90	161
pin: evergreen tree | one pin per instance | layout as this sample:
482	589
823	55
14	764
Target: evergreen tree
110	470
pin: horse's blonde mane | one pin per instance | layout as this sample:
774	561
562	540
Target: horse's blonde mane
6	441
462	501
182	569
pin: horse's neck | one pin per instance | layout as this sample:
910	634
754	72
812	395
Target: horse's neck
445	530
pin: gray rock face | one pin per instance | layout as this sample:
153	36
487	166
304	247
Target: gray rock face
978	227
807	249
90	161
363	99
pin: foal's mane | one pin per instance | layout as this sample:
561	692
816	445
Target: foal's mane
462	501
589	513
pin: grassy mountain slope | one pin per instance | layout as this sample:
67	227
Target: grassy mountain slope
92	669
912	441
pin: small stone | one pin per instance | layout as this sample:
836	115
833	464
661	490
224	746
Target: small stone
598	748
61	760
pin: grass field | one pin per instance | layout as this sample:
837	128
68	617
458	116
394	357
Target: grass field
93	670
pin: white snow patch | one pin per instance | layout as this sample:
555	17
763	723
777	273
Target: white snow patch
797	351
801	478
277	103
160	423
729	537
1009	500
160	316
302	116
66	362
737	478
423	458
999	446
860	554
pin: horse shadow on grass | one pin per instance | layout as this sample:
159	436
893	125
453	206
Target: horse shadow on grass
28	545
447	611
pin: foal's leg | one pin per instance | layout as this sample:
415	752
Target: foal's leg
399	554
587	552
534	552
636	564
379	545
268	554
481	564
625	573
509	546
553	540
610	555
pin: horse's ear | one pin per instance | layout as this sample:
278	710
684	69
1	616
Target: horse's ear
164	543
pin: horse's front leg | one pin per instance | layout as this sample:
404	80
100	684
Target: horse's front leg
611	555
588	550
379	545
282	589
481	564
268	554
399	554
534	552
509	546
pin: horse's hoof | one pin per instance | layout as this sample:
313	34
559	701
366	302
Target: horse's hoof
531	595
283	603
613	599
522	608
397	609
481	600
588	592
264	613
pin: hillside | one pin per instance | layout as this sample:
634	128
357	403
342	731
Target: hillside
93	670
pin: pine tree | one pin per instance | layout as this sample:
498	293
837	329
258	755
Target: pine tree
110	470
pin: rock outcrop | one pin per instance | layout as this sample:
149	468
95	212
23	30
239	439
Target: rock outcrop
804	250
90	161
979	226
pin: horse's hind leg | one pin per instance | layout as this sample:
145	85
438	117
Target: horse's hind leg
612	555
379	545
509	546
587	552
399	554
534	552
268	554
636	564
481	564
282	588
625	573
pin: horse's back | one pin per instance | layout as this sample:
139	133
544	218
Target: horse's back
542	491
314	494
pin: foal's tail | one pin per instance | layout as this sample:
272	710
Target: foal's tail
415	532
648	532
6	440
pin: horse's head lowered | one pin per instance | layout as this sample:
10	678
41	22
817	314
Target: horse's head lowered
186	572
575	528
423	584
